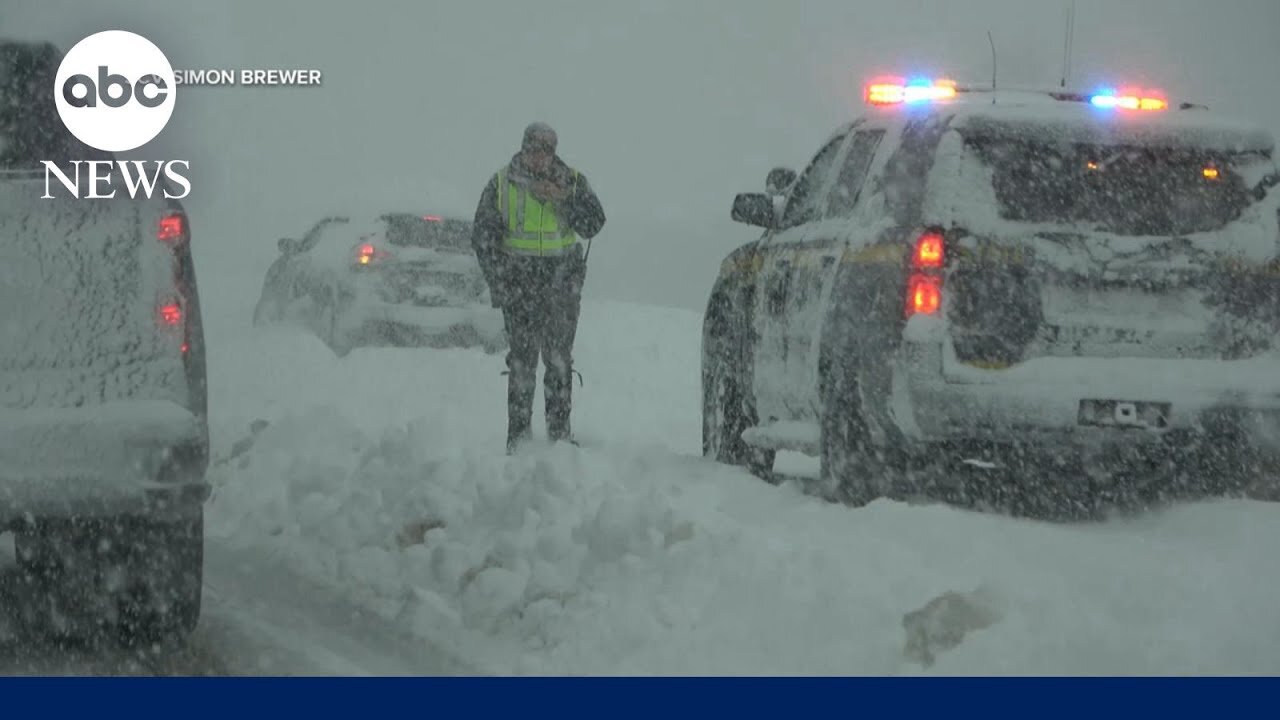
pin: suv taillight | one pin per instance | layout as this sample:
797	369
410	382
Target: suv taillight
924	283
368	254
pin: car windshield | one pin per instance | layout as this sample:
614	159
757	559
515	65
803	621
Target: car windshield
1125	190
428	231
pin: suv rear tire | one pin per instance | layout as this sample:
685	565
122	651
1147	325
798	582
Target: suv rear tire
851	472
727	410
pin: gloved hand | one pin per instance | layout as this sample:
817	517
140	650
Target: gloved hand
545	190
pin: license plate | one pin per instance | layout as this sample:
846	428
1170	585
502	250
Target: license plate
1124	413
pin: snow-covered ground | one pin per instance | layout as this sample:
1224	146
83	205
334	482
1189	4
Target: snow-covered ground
382	477
259	618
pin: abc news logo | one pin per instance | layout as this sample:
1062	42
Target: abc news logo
98	92
115	92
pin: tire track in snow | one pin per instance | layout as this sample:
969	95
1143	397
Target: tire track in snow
280	624
258	619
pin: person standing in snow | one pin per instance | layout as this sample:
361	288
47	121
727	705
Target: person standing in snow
531	216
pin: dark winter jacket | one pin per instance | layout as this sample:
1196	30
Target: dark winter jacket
505	272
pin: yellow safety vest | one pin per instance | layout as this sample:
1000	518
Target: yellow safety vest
533	228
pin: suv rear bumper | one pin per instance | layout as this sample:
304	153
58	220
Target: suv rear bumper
380	323
938	398
129	457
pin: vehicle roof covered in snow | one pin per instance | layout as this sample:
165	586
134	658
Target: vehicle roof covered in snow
1082	123
1044	116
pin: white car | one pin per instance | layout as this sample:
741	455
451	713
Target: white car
398	279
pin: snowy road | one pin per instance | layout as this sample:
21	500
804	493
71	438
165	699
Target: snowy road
381	477
374	526
258	619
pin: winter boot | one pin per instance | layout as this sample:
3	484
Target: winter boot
519	410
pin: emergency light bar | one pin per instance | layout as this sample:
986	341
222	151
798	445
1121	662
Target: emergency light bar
890	93
1109	99
925	90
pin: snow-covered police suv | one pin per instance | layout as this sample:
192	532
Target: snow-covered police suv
965	281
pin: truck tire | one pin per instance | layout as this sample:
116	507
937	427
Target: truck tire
167	557
140	577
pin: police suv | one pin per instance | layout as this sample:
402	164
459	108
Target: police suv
1068	295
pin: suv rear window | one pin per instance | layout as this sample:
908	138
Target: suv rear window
1115	189
406	230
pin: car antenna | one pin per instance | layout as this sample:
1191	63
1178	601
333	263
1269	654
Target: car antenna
993	67
1067	41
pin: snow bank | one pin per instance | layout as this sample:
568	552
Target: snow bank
383	476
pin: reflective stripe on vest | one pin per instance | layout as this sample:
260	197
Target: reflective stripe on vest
532	226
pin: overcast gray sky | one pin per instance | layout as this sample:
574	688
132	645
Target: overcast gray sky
668	106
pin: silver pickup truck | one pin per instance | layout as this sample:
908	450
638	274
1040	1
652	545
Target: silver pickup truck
103	432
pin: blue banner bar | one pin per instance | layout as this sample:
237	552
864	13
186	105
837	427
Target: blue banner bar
649	698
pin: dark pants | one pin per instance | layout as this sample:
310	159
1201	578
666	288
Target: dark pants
541	317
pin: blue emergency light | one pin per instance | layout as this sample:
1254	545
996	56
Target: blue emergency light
917	90
897	91
1109	99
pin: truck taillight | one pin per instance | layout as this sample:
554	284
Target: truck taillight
924	283
171	314
174	231
172	228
